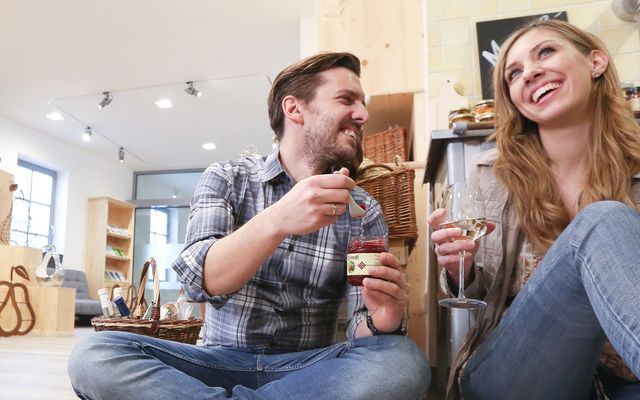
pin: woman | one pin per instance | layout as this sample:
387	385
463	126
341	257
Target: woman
561	270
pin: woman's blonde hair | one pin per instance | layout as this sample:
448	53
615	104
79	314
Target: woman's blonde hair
523	166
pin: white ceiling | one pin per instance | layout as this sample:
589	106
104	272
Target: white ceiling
61	55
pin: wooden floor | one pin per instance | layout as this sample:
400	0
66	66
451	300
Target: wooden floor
35	367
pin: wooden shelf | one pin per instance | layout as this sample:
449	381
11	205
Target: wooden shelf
117	258
117	236
106	212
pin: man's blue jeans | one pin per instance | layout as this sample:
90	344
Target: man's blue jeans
586	289
118	365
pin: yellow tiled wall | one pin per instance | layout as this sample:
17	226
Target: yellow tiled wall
452	42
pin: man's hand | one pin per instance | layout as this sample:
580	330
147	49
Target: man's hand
386	294
313	202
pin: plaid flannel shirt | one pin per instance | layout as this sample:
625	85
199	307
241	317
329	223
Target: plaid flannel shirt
292	302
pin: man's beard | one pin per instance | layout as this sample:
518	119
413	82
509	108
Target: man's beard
326	156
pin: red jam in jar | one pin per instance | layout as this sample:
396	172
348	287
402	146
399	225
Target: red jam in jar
364	251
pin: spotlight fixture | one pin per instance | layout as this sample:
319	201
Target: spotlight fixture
86	136
191	90
106	100
121	154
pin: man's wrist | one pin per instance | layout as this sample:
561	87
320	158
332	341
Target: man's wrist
376	332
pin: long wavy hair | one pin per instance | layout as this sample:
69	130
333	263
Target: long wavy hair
523	165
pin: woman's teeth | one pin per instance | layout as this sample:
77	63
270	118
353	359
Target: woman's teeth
543	90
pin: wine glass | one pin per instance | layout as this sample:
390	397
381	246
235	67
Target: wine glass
465	210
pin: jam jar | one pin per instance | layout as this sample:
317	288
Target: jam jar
363	252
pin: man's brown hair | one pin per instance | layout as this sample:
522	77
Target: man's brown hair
301	80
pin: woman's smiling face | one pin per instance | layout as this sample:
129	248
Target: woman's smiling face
548	78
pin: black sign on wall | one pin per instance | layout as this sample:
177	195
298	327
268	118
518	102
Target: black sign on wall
491	35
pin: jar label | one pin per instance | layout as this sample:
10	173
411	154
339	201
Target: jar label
359	263
635	104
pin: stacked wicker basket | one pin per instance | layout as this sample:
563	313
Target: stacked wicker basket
393	187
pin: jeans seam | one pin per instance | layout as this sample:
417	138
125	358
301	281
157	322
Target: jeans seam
300	366
142	346
606	303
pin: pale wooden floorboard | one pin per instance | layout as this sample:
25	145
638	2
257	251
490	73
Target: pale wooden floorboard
35	367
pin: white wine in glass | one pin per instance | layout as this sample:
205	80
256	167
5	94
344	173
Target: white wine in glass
465	210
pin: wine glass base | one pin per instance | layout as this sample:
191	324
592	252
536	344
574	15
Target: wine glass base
462	303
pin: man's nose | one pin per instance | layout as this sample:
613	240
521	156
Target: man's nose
361	114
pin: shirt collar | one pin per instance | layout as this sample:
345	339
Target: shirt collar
272	167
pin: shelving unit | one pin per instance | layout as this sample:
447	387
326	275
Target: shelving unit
110	227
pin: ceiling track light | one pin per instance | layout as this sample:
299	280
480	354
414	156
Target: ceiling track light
106	100
192	90
121	154
86	136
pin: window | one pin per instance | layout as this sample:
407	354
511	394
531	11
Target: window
33	205
158	225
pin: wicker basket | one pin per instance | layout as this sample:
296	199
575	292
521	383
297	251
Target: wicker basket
394	191
382	147
185	331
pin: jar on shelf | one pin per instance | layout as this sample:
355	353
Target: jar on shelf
484	106
485	117
631	91
458	111
466	117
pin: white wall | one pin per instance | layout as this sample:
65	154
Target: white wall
81	175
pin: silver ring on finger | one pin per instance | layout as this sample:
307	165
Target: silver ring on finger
334	210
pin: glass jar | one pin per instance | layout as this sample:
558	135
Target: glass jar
467	117
485	117
631	92
484	106
363	252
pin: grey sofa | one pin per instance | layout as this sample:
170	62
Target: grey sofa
86	308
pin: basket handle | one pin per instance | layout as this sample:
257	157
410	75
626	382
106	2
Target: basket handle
397	160
155	311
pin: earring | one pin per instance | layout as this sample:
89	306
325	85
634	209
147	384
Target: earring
596	75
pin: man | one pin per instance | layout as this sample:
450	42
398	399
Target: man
266	249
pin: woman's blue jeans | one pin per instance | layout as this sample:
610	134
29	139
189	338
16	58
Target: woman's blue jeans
119	365
586	289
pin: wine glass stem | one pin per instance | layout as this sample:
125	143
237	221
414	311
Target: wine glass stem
461	275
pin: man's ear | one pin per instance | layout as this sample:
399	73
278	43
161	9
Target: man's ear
291	106
599	62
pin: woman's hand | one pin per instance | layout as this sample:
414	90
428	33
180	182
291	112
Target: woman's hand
447	250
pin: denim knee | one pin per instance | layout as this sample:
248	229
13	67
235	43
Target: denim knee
397	357
604	211
90	357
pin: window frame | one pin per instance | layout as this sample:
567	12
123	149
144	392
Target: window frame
54	180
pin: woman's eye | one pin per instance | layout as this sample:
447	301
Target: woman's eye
513	74
545	51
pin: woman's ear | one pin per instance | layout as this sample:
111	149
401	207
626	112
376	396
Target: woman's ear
292	111
599	62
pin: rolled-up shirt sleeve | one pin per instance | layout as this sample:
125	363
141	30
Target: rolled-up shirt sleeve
210	219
